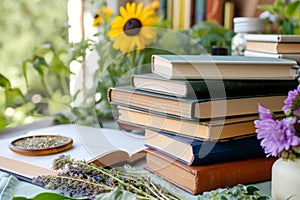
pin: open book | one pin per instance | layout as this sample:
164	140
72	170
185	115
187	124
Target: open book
101	146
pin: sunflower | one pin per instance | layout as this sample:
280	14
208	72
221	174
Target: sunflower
132	29
155	5
104	11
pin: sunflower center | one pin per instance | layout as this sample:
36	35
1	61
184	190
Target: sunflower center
132	27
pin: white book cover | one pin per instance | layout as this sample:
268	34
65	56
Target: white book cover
272	38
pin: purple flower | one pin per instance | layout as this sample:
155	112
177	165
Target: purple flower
264	113
288	102
277	135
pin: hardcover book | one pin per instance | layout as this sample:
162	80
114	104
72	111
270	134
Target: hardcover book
291	56
198	179
201	108
191	151
216	129
223	67
273	47
201	88
272	38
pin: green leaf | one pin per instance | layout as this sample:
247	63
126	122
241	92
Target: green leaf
2	122
117	194
292	10
251	190
297	31
267	7
59	68
224	197
47	196
24	68
13	96
44	49
39	63
4	82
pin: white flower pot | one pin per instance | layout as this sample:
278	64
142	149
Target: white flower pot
286	180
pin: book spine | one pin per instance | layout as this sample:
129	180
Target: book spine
177	14
199	11
214	10
228	14
162	11
187	14
232	88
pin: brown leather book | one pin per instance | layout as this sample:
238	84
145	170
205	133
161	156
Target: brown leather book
198	179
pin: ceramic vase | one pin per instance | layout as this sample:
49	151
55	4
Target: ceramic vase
286	180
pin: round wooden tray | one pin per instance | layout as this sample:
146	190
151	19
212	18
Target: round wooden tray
41	151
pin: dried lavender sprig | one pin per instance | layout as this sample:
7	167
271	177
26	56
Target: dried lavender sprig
85	170
116	179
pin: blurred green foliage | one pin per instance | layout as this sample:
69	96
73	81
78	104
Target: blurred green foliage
287	15
25	25
34	46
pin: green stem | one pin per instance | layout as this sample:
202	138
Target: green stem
64	85
61	76
48	91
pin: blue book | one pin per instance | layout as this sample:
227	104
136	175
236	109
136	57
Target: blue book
199	11
196	152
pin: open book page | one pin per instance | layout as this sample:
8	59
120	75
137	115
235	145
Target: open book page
88	143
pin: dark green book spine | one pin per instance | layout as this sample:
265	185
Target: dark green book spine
232	88
210	88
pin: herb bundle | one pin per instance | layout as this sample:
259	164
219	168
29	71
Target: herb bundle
81	179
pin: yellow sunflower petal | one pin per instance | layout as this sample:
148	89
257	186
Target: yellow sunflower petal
150	21
131	45
146	16
139	10
123	13
139	43
132	10
128	9
119	22
124	46
147	33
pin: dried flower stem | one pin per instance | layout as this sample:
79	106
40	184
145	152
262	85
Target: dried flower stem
114	178
83	179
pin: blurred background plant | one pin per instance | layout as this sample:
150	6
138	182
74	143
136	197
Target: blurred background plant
283	16
40	85
25	24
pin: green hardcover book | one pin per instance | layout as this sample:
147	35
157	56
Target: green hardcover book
210	88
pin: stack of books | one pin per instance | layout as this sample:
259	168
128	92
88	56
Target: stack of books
198	114
273	46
